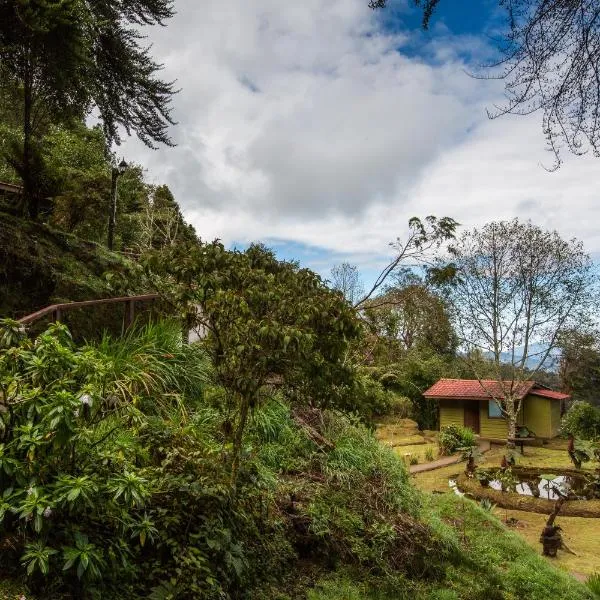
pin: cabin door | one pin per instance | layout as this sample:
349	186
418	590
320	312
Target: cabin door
472	416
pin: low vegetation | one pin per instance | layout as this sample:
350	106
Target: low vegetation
116	484
455	437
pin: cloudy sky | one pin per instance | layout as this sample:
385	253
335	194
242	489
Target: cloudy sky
320	128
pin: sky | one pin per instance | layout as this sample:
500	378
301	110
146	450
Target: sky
320	127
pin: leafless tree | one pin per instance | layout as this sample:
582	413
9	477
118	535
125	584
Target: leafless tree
425	238
517	289
346	279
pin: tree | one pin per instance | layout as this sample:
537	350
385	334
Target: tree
579	364
346	279
409	315
425	237
517	289
265	322
162	223
61	59
549	63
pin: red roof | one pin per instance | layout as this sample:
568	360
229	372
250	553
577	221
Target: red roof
550	394
473	389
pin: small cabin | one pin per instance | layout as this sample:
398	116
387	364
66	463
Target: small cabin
473	403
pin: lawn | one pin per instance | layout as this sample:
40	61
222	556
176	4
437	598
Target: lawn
580	534
543	457
417	451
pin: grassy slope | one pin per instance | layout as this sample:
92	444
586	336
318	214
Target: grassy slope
40	265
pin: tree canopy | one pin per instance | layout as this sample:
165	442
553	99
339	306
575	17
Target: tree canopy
517	289
60	60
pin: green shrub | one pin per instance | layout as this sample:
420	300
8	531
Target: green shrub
414	459
400	406
453	437
429	455
582	420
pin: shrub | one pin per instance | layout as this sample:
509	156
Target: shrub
400	406
582	420
429	455
414	459
453	437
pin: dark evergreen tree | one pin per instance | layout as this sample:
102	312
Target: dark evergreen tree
62	59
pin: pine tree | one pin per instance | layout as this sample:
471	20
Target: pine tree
63	59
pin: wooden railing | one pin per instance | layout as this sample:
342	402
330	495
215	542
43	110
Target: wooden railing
55	311
11	188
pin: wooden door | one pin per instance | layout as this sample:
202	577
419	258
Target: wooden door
472	416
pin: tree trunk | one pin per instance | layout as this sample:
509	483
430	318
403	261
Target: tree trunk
511	418
112	214
238	439
30	197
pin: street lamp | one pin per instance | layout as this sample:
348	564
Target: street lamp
112	216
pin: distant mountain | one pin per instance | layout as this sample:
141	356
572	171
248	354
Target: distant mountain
535	355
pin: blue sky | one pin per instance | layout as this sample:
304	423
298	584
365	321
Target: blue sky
321	128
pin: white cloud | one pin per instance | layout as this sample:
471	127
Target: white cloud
303	121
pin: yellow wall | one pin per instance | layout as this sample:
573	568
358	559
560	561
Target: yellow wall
491	428
555	412
542	415
451	413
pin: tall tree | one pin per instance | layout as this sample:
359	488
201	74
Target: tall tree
517	289
61	59
346	279
410	316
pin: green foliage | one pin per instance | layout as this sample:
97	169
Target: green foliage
58	60
265	320
453	437
487	505
115	483
582	420
59	267
429	455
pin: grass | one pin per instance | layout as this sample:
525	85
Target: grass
9	590
419	452
540	457
488	561
581	535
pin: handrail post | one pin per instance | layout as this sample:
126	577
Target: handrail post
129	314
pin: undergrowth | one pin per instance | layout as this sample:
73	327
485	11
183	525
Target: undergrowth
115	464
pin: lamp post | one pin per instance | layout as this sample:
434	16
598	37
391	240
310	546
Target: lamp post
112	216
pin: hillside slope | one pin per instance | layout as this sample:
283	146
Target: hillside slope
40	265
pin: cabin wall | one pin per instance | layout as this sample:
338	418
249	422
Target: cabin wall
451	413
542	416
491	427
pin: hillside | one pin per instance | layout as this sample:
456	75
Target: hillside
40	265
320	510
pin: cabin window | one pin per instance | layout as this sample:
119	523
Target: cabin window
494	410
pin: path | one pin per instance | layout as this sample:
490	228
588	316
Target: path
484	446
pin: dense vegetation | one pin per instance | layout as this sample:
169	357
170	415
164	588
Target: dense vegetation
115	483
